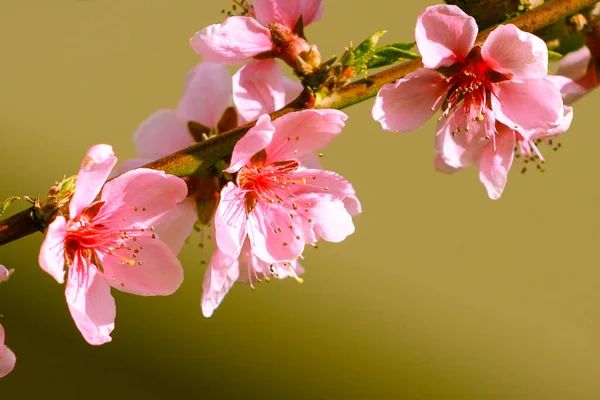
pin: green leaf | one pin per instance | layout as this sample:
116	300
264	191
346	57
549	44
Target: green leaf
367	46
553	56
390	54
7	203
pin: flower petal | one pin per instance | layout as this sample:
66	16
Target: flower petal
219	277
275	235
7	362
408	103
327	217
463	148
569	89
230	220
258	88
255	140
90	303
146	267
575	64
517	54
529	105
5	275
7	357
327	182
300	133
288	12
139	197
235	40
444	35
440	165
94	170
52	252
207	94
495	163
163	133
175	226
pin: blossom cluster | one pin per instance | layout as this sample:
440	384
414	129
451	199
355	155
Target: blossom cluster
123	227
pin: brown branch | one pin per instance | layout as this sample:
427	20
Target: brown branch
194	158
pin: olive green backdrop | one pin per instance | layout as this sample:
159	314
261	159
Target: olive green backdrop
440	293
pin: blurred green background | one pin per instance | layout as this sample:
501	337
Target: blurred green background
440	293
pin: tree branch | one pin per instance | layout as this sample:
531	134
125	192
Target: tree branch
193	159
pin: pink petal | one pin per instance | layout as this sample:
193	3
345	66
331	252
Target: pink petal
328	217
495	163
90	303
257	138
300	133
444	35
163	133
569	89
153	270
517	54
532	104
292	89
7	357
258	88
94	171
440	165
207	94
219	277
462	149
175	226
408	103
5	275
288	12
52	253
274	235
140	196
327	182
2	339
235	40
7	362
230	220
576	64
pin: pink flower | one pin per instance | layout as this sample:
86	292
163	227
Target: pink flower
224	270
7	357
205	108
110	241
577	74
271	30
495	159
276	202
502	81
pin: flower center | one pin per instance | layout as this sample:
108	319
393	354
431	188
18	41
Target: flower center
469	91
272	183
92	235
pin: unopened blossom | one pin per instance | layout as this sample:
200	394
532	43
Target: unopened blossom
7	357
110	241
278	203
224	270
267	28
494	160
576	75
476	87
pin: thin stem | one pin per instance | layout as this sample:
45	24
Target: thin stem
201	155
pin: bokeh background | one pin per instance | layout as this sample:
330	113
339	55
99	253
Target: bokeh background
440	293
